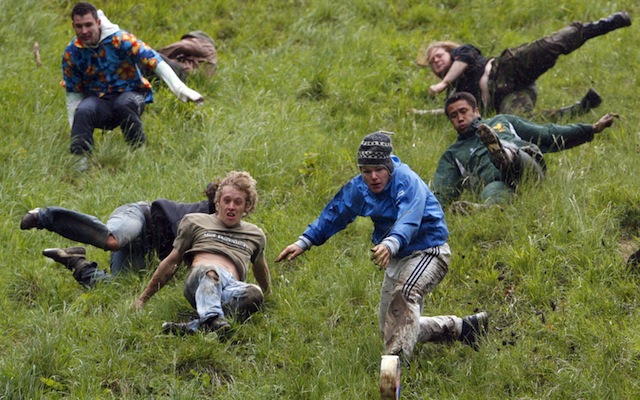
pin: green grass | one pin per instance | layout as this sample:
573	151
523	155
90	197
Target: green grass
299	84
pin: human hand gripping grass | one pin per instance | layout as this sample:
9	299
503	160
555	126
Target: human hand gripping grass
381	255
604	122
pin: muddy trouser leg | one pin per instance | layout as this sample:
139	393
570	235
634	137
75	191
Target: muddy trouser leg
203	290
92	113
518	68
74	225
241	299
127	109
212	290
405	284
128	225
524	165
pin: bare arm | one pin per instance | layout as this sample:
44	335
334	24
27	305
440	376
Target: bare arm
456	70
262	275
163	274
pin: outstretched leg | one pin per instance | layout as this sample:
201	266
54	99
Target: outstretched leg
85	272
405	284
519	67
70	224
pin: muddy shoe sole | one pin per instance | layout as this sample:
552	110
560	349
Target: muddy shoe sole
390	378
492	142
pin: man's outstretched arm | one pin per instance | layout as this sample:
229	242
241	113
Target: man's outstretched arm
182	91
262	275
163	274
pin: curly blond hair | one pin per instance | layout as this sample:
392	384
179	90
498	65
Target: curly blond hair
244	182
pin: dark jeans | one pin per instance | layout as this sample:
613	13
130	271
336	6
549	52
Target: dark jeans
126	223
123	110
515	71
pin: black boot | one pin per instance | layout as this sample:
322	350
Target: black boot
74	258
590	101
606	25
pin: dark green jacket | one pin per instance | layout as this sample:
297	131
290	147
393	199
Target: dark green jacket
466	164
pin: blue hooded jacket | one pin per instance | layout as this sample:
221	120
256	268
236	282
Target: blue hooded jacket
405	210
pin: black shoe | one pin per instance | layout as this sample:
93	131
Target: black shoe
605	25
30	219
474	327
591	100
620	19
216	324
179	328
490	139
70	257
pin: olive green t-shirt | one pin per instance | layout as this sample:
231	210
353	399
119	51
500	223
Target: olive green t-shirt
243	243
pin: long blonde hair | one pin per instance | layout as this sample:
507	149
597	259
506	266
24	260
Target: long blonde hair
425	52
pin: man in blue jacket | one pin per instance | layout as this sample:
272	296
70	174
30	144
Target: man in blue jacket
409	243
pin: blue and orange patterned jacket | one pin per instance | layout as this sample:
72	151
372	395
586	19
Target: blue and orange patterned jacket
109	68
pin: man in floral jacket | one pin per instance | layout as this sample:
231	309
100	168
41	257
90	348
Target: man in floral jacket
105	88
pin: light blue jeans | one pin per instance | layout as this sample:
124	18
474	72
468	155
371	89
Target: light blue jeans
213	292
126	223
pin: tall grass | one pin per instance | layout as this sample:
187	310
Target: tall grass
298	85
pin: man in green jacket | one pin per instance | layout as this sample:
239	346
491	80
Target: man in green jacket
492	156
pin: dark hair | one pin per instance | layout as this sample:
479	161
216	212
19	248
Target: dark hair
210	192
84	8
457	96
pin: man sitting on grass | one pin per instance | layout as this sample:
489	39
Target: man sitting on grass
217	250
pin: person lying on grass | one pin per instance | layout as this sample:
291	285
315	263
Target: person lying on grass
492	157
133	233
507	84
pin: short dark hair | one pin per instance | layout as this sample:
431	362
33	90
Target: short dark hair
457	96
210	192
84	8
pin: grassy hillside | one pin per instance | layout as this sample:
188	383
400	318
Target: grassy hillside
299	84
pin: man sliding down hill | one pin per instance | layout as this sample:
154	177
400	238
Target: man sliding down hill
409	244
133	232
104	85
492	156
507	84
217	250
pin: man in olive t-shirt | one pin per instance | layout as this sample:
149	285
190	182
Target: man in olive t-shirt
217	249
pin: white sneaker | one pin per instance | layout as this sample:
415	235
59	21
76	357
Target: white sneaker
81	164
390	381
